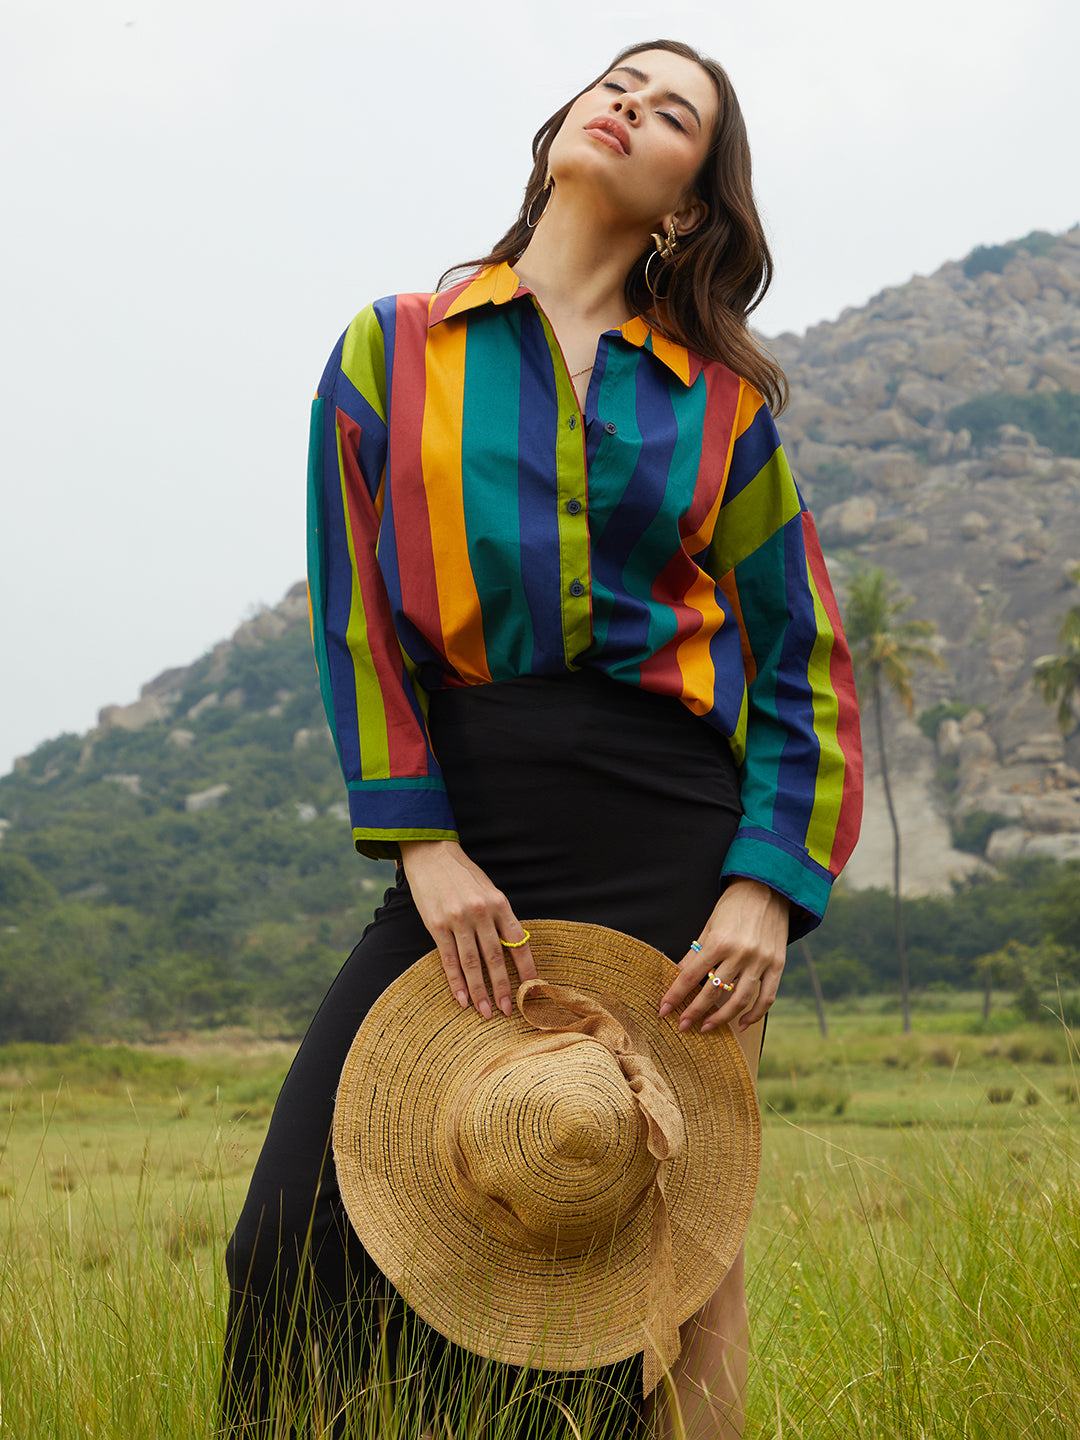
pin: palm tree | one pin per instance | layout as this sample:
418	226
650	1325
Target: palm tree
1057	677
884	649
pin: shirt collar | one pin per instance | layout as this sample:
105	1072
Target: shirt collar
497	284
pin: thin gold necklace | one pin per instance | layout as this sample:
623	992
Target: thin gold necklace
581	372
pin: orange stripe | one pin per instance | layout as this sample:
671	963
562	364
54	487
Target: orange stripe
731	594
674	356
693	655
440	460
750	402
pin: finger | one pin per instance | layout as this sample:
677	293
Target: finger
524	964
709	998
511	928
742	998
495	959
474	972
452	970
692	969
763	1004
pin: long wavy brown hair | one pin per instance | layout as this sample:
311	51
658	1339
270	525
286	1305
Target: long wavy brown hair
720	272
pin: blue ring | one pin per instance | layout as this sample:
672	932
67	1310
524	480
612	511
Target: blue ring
695	944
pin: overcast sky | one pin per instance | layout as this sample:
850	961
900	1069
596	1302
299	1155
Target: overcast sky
197	197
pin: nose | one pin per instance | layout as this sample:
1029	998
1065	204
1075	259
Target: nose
627	108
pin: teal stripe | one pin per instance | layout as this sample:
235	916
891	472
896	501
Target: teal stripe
758	860
489	467
316	560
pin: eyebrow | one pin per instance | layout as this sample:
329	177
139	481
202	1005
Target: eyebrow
670	95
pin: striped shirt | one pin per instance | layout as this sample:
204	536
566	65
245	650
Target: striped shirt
470	522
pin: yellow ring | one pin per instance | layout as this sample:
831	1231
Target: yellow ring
515	944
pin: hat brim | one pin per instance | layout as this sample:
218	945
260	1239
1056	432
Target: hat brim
401	1076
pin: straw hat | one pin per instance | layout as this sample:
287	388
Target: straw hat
560	1189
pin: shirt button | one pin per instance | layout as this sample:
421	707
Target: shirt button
573	506
576	587
611	428
573	422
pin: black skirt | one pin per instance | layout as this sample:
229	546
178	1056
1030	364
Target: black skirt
583	799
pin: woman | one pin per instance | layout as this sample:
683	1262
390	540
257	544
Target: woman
576	643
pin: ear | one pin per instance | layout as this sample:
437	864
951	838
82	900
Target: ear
688	218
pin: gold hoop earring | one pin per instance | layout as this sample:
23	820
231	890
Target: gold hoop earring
653	255
547	192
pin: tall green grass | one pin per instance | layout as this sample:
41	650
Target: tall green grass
914	1280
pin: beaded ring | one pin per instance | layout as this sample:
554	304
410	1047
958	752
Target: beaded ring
723	984
515	944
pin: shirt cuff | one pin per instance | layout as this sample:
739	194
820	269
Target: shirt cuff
759	854
385	812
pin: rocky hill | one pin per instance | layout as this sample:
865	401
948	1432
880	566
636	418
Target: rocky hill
936	432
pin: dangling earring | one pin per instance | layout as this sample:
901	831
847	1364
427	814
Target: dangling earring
666	247
547	192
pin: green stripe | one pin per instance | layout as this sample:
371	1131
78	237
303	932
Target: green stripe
383	844
489	468
576	612
763	507
370	704
829	780
363	359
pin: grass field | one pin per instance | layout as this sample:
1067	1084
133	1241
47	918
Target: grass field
914	1255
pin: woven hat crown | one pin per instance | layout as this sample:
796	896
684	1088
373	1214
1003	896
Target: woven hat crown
557	1142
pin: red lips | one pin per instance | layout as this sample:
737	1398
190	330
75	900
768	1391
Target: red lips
608	125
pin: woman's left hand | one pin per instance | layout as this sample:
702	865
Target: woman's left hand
744	945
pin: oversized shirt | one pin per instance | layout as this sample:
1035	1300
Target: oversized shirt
471	522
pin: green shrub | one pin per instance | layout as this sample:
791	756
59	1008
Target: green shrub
994	258
1053	417
972	833
930	719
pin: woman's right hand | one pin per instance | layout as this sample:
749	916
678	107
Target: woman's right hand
468	918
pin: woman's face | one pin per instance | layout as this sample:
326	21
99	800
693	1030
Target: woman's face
639	136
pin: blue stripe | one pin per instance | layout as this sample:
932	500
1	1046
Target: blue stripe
538	422
797	776
750	454
337	584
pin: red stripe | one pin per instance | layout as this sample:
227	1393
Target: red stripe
407	746
412	522
721	406
843	682
661	671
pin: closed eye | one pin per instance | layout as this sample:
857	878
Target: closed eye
621	90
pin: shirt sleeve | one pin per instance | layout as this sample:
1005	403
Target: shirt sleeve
374	704
798	742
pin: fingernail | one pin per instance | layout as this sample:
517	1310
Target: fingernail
507	1007
463	998
485	1009
665	1009
684	1024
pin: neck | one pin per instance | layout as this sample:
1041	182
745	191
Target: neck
577	261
